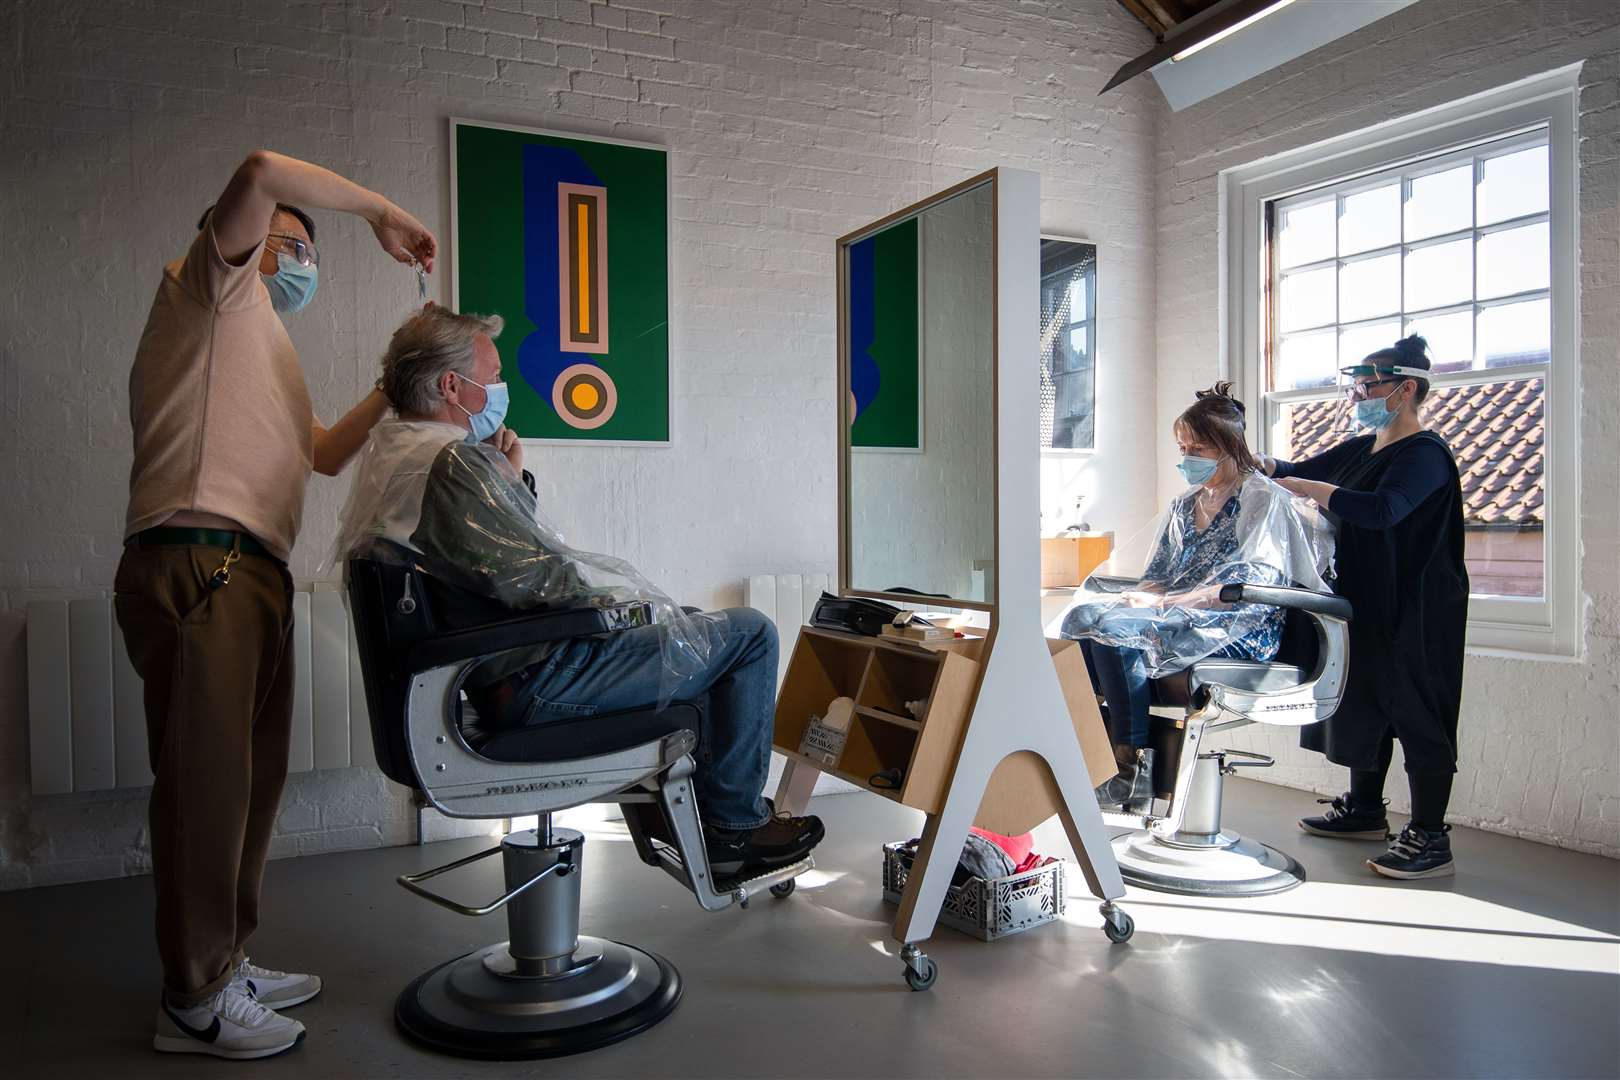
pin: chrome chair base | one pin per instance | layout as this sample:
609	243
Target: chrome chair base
481	1006
1222	865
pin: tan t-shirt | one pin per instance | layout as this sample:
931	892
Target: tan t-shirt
222	418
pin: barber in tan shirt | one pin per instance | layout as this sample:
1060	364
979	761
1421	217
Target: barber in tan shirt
224	442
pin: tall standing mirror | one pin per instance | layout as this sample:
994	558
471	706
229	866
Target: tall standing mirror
938	313
917	370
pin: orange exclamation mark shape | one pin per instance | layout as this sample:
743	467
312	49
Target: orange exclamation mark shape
584	270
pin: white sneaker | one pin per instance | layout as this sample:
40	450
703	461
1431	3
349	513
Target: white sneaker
275	989
228	1025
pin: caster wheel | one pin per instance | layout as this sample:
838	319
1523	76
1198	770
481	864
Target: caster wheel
1119	928
785	889
924	979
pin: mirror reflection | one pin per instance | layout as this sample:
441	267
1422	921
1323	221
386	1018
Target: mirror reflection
919	318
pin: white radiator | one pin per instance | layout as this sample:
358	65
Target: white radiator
87	726
787	600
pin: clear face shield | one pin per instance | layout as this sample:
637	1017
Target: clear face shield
1363	388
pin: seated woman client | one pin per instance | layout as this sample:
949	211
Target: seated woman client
1233	525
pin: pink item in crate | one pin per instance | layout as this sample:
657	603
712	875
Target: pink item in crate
1018	848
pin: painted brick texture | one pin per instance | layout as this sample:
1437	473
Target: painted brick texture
789	122
1540	740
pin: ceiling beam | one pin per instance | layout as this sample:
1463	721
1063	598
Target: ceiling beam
1147	18
1168	12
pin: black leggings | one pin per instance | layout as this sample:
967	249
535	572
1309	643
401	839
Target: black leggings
1430	792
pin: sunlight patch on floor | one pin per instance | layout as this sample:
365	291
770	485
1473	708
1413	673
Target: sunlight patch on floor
1371	919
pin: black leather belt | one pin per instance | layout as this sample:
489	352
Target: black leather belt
218	538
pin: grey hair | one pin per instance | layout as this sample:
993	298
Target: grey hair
428	344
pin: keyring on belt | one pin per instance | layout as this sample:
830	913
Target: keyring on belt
222	576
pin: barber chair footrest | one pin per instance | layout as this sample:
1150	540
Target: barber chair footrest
476	1006
1240	867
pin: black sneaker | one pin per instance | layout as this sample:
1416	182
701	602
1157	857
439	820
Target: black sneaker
1349	820
779	841
1416	853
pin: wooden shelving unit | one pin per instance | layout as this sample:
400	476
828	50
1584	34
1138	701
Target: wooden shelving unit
882	675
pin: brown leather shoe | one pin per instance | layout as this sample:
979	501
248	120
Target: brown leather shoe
779	841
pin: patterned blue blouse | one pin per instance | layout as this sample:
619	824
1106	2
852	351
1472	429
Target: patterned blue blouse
1206	558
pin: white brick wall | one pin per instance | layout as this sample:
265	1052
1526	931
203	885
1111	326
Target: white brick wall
788	122
1540	740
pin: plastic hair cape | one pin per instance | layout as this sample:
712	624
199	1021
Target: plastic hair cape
460	506
1170	609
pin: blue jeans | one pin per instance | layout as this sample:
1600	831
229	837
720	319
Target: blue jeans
622	671
1120	676
1120	673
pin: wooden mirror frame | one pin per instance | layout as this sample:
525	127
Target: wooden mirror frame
846	586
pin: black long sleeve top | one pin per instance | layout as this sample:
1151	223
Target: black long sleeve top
1419	469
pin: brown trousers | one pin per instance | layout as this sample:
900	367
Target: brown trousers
217	669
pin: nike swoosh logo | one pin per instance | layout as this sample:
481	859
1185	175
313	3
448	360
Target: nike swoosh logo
206	1035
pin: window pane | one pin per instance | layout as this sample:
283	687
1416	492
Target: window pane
1306	234
1306	428
1440	275
1515	333
1496	431
1307	299
1450	338
1513	261
1370	219
1078	309
1369	287
1513	185
1440	202
1079	347
1306	360
1356	342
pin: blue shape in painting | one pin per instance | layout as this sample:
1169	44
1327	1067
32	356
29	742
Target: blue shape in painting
864	377
540	361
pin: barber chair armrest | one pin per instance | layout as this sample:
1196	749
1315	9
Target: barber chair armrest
524	630
1317	603
1104	584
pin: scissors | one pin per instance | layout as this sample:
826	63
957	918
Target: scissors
421	280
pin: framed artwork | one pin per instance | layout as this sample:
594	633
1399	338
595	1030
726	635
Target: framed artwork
885	358
1068	344
567	238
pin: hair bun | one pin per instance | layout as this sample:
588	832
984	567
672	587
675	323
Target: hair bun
1222	389
1414	347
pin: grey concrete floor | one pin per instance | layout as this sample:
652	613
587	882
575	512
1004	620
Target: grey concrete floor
1510	969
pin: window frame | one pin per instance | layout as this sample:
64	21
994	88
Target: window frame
1091	322
1547	626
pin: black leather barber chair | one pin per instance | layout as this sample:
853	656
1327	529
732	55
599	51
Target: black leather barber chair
547	990
1185	850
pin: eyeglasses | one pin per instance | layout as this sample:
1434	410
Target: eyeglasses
1358	391
302	251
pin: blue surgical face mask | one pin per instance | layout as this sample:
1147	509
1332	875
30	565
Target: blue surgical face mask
1197	470
1375	414
486	421
292	285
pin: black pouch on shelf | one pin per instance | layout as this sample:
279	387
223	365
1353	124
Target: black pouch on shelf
855	614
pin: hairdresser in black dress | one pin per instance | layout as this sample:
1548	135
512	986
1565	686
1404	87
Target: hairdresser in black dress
1395	497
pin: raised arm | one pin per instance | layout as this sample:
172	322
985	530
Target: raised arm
242	215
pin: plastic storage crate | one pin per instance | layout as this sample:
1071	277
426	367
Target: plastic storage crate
987	909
